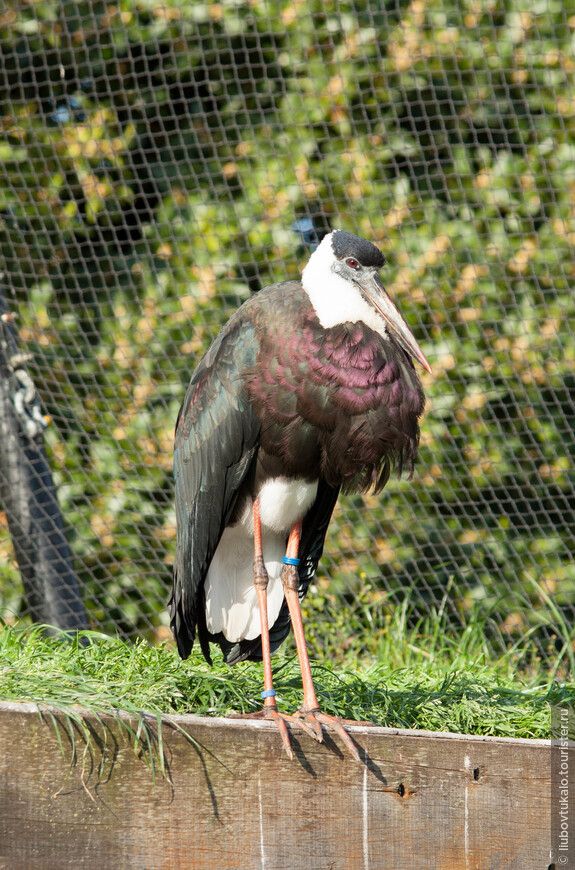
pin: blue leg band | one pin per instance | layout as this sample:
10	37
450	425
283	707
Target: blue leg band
287	560
268	693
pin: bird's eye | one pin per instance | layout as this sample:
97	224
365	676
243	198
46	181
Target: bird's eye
352	263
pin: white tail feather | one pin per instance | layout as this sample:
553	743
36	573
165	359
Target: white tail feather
231	601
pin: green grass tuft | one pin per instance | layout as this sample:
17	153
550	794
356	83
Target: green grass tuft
442	685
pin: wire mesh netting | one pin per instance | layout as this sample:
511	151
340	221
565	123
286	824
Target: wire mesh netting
155	158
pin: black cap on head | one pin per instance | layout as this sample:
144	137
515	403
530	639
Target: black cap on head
345	244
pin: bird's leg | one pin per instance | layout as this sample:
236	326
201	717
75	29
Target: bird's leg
261	580
310	709
290	582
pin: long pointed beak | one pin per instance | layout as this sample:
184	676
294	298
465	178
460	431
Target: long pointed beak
398	328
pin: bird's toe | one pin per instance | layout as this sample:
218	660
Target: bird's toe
316	719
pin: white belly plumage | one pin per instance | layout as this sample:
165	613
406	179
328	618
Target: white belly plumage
231	601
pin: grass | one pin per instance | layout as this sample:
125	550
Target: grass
422	679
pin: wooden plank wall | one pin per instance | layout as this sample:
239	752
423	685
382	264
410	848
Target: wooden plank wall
232	800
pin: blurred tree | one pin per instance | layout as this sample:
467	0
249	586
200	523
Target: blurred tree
156	156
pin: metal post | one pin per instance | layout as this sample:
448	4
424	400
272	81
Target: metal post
27	494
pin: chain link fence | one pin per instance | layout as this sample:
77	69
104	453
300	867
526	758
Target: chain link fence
155	158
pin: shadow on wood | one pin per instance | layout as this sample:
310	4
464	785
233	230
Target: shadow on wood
231	799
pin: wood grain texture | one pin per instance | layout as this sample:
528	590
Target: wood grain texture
231	799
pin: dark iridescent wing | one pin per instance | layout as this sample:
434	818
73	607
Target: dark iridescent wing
217	435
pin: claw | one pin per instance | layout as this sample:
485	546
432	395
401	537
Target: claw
282	720
279	719
309	716
316	718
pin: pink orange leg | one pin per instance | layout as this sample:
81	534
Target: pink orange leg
261	580
310	709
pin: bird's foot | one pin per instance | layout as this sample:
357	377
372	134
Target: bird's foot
282	720
310	721
315	719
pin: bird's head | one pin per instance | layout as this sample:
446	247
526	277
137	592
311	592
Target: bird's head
342	281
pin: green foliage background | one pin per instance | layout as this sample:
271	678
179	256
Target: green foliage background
154	157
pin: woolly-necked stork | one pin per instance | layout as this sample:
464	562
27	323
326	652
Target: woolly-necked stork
308	389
